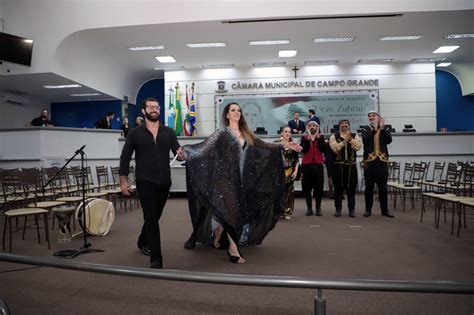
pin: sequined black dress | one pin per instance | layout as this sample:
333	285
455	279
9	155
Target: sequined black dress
239	185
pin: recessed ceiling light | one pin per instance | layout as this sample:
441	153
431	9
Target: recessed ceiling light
320	62
269	42
381	60
287	53
222	65
165	59
333	39
85	94
428	59
445	49
443	64
140	48
206	45
269	63
401	37
66	86
460	36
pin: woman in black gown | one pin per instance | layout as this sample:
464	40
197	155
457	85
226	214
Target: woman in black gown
236	178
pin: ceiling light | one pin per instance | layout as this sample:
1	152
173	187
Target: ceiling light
381	60
287	53
269	63
165	59
140	48
443	64
445	49
66	86
320	62
222	65
206	45
333	39
401	37
85	94
460	36
28	41
269	42
428	59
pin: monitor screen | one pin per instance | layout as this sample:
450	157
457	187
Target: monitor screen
15	49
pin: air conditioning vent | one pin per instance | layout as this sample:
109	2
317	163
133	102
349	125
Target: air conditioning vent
13	99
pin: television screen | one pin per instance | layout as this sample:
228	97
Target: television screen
16	49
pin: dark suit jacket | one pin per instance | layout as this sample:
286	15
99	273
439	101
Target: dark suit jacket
315	118
103	124
301	126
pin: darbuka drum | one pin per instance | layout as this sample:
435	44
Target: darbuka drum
100	215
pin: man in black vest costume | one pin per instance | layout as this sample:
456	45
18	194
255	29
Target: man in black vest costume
376	137
345	145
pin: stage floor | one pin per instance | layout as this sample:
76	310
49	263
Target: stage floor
320	247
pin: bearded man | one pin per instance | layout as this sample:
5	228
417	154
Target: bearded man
152	142
376	137
345	145
314	146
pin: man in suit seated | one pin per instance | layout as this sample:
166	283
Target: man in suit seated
297	125
105	122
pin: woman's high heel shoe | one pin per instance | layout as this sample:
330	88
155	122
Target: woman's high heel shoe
235	259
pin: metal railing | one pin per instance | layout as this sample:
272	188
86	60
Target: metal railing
450	287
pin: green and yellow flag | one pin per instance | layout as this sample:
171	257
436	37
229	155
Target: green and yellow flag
178	120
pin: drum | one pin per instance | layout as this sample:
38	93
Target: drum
100	215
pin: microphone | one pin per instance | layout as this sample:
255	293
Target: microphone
80	149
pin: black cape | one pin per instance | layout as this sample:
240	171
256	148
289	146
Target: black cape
241	187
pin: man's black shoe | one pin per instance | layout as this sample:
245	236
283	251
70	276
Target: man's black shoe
309	212
338	213
190	243
352	214
388	214
318	212
145	249
367	214
157	264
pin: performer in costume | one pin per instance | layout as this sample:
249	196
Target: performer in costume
291	164
238	179
345	145
376	137
314	147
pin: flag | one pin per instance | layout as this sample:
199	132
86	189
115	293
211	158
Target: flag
186	123
178	121
192	115
171	112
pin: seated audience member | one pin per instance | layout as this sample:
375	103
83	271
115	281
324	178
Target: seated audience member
125	127
297	125
105	122
42	120
138	121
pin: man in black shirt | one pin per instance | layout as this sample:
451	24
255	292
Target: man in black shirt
152	143
41	120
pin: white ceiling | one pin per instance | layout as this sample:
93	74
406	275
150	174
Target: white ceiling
111	44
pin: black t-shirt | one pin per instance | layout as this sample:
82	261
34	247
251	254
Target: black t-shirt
38	121
152	156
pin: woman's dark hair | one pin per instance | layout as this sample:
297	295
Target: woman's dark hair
243	127
149	99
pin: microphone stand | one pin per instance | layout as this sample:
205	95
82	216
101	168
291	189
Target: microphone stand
86	247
